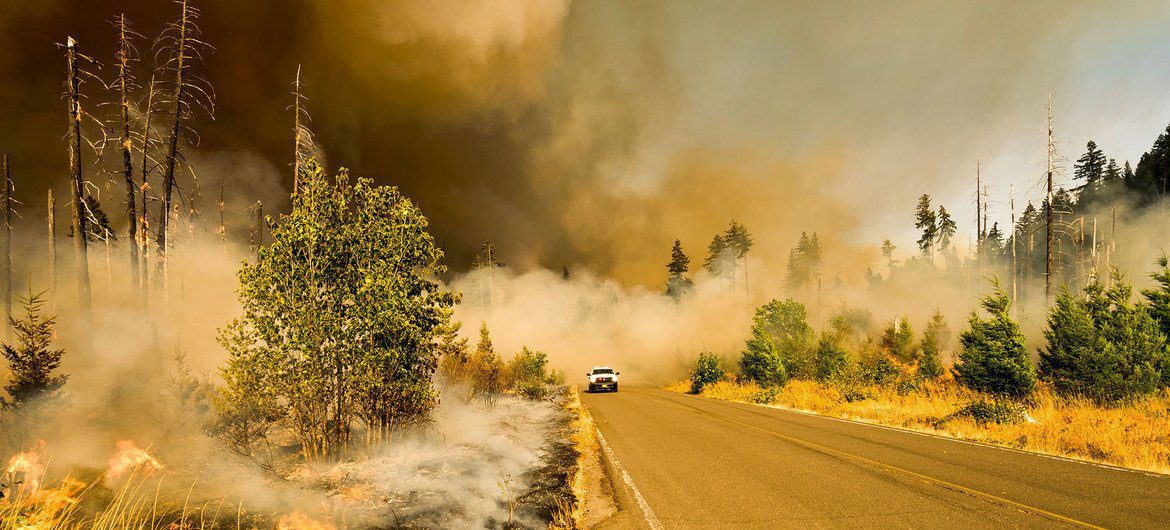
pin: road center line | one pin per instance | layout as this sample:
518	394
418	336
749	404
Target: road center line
647	512
886	467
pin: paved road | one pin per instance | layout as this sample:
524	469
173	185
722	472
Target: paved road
681	461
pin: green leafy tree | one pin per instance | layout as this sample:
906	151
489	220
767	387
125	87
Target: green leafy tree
992	357
32	360
934	338
760	362
927	221
832	359
1102	345
785	324
898	340
707	370
339	315
528	374
678	284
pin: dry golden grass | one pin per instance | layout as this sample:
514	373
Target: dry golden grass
570	513
1136	435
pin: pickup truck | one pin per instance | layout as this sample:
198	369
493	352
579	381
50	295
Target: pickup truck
603	378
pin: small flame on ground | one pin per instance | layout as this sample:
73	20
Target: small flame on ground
300	521
26	468
129	458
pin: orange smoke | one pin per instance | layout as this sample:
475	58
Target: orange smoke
300	521
131	458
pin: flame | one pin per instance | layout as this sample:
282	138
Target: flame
131	458
26	468
300	521
49	507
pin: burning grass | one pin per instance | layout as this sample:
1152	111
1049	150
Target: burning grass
1136	435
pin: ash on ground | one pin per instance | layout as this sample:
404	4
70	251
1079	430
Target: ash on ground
499	464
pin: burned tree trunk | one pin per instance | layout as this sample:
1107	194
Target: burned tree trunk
77	185
123	86
176	127
1048	261
52	247
7	200
144	223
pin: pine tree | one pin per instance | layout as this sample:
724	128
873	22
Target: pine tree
946	229
32	361
898	340
992	358
934	338
1102	345
1159	308
720	262
678	284
927	221
1090	167
888	249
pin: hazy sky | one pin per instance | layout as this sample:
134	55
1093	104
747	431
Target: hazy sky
593	133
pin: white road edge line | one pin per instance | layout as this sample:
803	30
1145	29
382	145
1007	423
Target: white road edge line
647	512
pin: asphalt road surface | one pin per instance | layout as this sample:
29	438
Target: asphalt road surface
679	461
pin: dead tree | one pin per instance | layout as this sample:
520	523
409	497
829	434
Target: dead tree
124	84
302	137
1049	217
52	247
222	223
184	49
258	231
7	200
77	184
145	165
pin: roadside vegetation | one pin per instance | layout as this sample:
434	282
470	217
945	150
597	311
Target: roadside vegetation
1100	390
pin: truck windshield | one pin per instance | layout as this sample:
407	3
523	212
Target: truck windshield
603	371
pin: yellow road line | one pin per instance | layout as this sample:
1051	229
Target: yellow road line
893	469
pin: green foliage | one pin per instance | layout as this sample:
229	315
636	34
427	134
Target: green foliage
1159	308
485	369
1102	345
766	396
992	358
678	284
452	350
761	363
804	262
707	370
831	358
898	340
785	325
933	340
946	228
528	374
927	221
998	412
339	318
32	361
879	370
